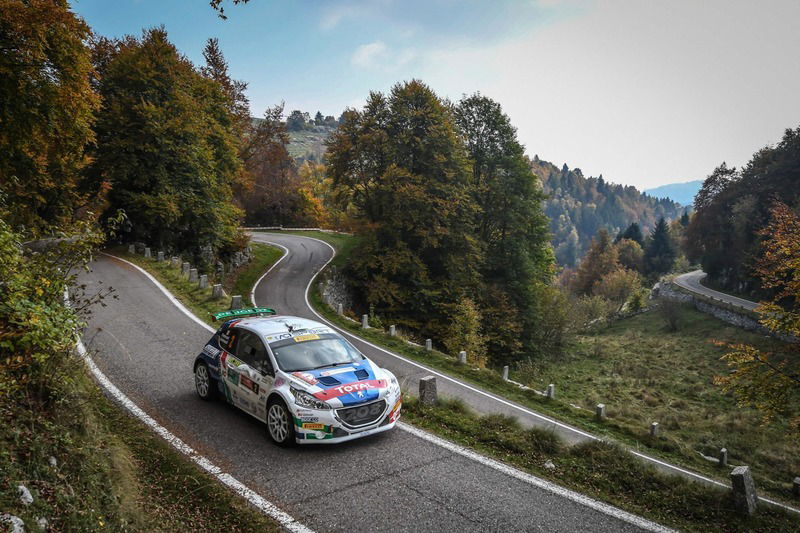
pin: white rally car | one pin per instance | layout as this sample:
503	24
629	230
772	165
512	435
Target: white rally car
299	376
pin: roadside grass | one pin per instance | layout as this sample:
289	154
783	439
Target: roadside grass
643	374
112	473
600	470
198	300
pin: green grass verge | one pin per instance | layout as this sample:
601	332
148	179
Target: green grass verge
198	300
112	472
600	470
343	243
642	373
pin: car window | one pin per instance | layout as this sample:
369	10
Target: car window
305	355
251	350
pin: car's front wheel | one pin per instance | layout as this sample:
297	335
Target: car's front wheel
204	384
280	425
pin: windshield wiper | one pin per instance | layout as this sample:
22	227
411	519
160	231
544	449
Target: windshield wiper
330	364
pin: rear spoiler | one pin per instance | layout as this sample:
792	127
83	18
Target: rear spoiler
241	313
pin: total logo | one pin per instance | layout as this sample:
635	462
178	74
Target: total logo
357	387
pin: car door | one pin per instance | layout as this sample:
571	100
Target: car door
256	375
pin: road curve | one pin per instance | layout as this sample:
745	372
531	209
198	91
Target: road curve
397	481
691	281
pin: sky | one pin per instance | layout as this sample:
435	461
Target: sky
644	92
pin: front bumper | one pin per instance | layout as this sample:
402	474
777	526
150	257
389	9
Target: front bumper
325	427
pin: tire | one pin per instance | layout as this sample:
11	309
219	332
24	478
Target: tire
204	384
280	424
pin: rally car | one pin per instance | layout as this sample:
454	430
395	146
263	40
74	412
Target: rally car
300	377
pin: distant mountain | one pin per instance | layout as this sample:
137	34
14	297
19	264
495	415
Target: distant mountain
683	193
579	206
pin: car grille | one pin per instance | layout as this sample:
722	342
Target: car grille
361	415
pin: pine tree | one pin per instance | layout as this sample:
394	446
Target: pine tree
660	253
634	233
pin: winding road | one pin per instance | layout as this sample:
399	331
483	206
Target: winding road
691	281
404	480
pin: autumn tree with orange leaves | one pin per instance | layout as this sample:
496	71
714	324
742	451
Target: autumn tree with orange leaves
770	381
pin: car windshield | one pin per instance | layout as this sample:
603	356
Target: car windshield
295	356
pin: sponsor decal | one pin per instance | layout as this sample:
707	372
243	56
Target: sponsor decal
303	338
309	418
395	414
279	382
313	425
305	376
210	350
320	330
335	371
248	383
233	377
350	388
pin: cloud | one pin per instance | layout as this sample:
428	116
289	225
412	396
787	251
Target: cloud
333	16
369	55
378	56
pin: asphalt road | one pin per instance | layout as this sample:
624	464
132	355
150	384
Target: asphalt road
393	481
691	281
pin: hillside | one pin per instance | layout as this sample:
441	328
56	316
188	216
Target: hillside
579	206
309	143
683	193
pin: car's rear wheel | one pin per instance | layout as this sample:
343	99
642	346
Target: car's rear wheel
280	425
204	384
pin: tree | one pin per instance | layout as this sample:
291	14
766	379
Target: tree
47	108
401	167
167	145
509	220
631	255
770	381
319	120
660	253
634	233
296	121
601	259
464	332
618	286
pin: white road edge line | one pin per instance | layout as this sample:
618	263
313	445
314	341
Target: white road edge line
536	482
253	289
567	427
252	497
573	496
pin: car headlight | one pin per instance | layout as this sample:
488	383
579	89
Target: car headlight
304	399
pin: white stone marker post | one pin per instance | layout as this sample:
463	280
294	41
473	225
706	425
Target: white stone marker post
654	429
364	321
428	345
427	390
723	457
160	257
131	248
203	283
147	253
796	486
340	310
236	302
744	490
193	275
392	331
505	373
462	357
600	411
175	262
185	267
551	391
216	291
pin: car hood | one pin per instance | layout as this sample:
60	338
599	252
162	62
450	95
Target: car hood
349	384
